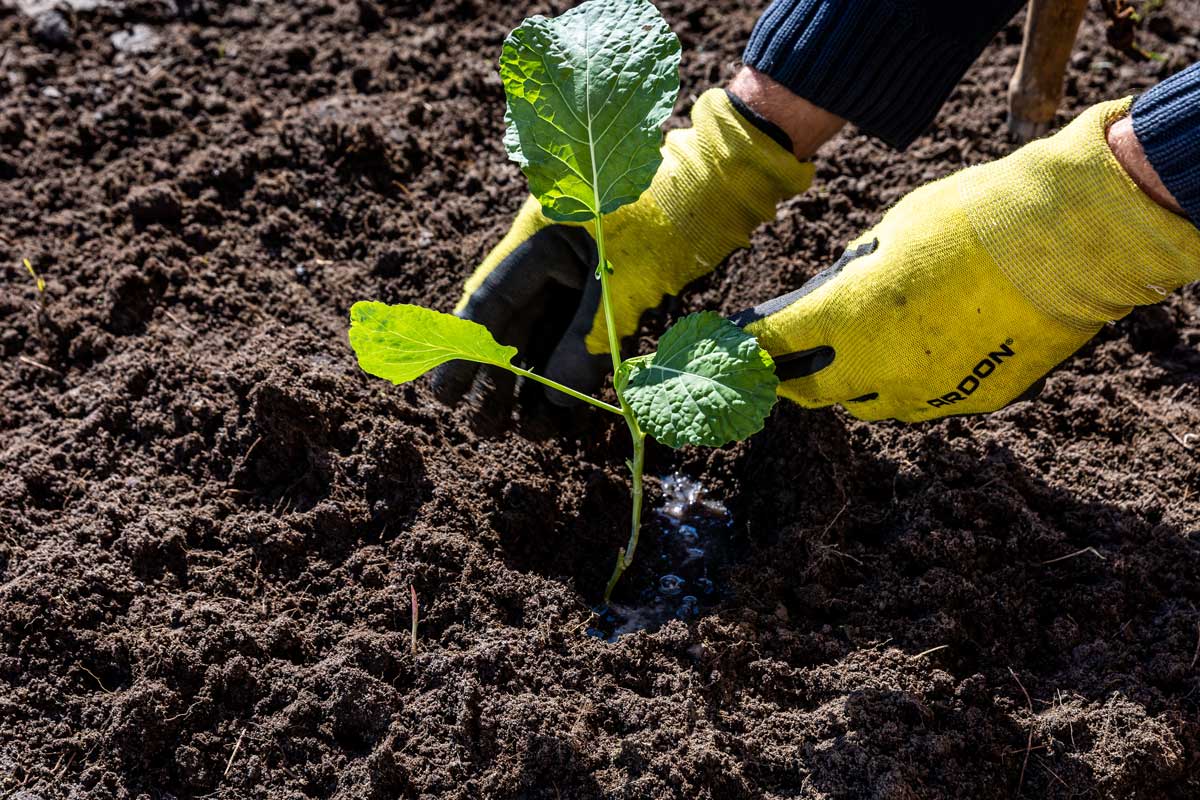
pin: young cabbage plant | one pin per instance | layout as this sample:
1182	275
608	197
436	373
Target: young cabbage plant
587	94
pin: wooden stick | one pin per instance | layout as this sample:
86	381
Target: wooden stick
1036	87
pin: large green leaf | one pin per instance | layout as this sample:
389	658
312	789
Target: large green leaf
403	342
587	93
709	383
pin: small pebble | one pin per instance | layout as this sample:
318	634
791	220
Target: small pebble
135	41
51	29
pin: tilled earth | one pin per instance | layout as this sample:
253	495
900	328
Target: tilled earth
210	519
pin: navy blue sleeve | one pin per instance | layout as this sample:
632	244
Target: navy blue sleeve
1166	120
885	65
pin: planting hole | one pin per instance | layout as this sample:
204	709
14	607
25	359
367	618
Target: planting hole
693	534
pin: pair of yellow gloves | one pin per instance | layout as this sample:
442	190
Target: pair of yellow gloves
966	293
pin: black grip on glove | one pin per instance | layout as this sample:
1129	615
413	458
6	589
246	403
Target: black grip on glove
519	301
801	363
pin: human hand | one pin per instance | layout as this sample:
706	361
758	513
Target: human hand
972	288
719	180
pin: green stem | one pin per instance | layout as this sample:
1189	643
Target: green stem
636	466
625	554
567	390
614	344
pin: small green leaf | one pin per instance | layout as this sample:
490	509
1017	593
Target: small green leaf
587	93
709	383
37	279
403	342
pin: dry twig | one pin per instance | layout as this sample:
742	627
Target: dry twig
1091	550
39	365
1029	741
931	650
233	755
413	590
1196	655
179	322
105	689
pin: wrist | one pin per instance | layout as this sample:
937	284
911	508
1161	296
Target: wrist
807	126
1128	151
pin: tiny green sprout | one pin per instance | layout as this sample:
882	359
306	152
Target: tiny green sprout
37	279
587	94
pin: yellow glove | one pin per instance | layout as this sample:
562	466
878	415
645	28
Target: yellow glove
719	180
974	287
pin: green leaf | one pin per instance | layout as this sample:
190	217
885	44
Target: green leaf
709	383
587	93
403	342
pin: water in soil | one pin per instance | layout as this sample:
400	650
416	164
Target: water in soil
693	532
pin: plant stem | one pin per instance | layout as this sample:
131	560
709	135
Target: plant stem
625	554
567	390
614	343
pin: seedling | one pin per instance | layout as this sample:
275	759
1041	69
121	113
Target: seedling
37	279
587	94
38	282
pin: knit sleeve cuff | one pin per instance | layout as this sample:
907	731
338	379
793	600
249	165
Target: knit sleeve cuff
1166	120
885	65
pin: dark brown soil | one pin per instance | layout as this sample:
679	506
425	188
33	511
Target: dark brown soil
210	519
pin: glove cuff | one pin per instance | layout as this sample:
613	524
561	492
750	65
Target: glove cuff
1067	225
729	168
776	133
